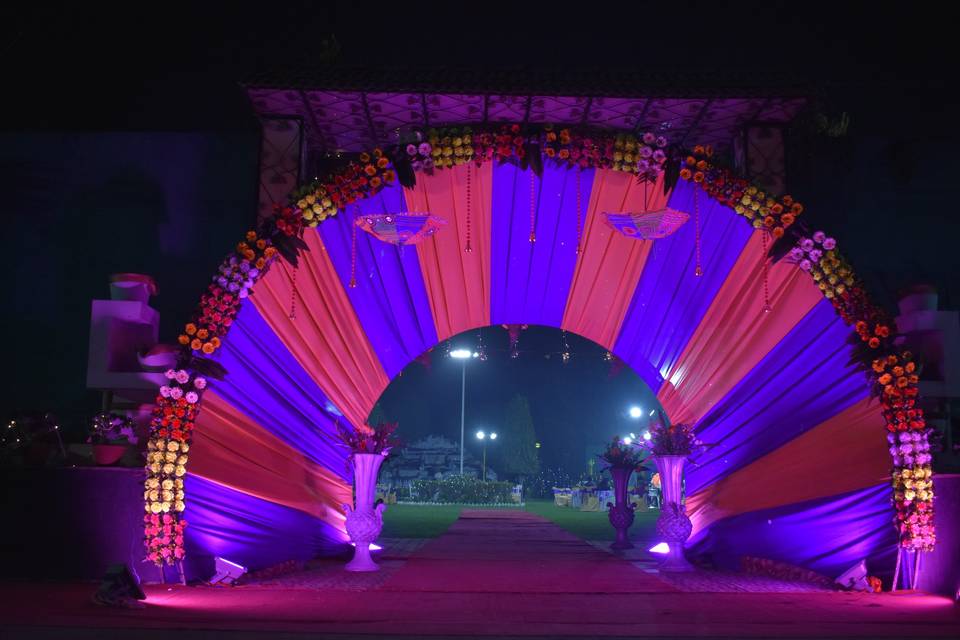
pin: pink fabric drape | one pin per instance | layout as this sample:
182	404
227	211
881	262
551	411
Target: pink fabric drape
325	335
735	334
457	282
842	454
610	264
231	449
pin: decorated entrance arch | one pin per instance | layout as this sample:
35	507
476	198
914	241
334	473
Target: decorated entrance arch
744	323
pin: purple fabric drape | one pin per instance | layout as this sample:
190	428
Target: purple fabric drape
670	300
249	531
390	299
828	535
266	382
530	280
803	381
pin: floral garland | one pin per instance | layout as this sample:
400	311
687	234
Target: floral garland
646	157
178	401
892	373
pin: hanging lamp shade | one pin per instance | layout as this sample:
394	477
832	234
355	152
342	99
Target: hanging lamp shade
400	228
647	225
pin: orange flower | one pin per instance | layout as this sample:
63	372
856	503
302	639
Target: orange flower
787	200
914	379
861	326
787	219
370	170
215	342
902	382
564	154
382	163
702	165
364	158
685	173
190	329
378	152
261	244
879	365
196	344
551	136
777	209
251	236
698	176
874	343
184	339
202	334
891	359
691	161
778	232
551	152
910	367
897	371
699	150
208	348
885	379
796	209
769	221
708	150
882	330
389	176
260	263
249	254
269	252
375	182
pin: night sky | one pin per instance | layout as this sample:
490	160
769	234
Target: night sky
80	204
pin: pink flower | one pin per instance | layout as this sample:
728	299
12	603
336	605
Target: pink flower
182	376
661	141
192	397
170	373
649	138
200	383
806	244
165	391
819	237
805	265
176	393
659	156
425	148
829	243
411	149
796	253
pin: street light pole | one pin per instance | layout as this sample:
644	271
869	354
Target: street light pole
463	410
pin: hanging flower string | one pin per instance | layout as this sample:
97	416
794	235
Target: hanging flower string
293	292
533	207
766	271
353	250
698	271
469	248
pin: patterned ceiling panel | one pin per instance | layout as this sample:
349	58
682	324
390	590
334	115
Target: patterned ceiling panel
453	109
353	121
507	108
616	113
557	110
342	120
781	110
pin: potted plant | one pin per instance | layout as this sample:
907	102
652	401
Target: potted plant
369	447
621	458
110	436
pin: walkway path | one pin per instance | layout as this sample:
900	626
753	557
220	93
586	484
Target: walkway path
507	551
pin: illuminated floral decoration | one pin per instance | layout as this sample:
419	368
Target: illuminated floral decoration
894	373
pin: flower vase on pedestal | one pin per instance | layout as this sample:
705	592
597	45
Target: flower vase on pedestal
673	526
621	513
364	522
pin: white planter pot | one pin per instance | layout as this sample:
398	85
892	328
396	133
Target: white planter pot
364	522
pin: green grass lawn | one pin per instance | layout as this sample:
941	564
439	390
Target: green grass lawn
416	521
593	525
429	521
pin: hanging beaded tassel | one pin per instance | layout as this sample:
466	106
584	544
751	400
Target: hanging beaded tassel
293	293
533	207
579	214
353	255
766	286
698	271
469	248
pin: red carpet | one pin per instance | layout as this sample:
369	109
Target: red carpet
506	551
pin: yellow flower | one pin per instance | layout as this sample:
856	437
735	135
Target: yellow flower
168	485
155	507
180	506
168	469
181	471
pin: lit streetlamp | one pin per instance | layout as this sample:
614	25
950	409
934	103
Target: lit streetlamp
463	355
482	437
